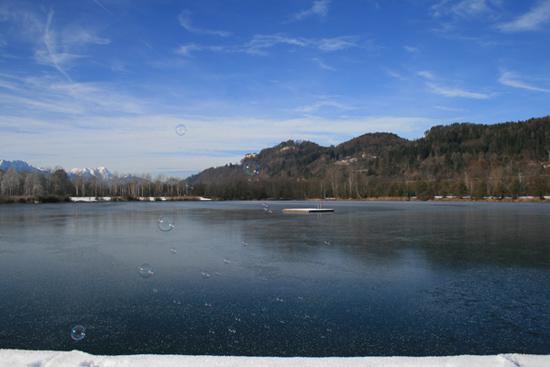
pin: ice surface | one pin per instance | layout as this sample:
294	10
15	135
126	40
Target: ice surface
16	358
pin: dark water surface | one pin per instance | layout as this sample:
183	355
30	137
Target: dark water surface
373	278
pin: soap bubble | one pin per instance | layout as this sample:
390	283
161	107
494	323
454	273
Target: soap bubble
251	169
181	129
326	243
78	333
205	275
267	208
165	224
279	299
232	331
145	270
227	261
173	251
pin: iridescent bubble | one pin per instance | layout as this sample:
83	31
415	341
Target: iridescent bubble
244	243
181	129
166	224
251	169
280	300
326	243
78	333
173	251
267	208
206	304
145	270
205	275
227	261
232	331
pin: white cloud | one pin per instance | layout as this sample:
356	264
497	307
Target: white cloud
62	97
447	91
394	74
513	80
411	49
426	74
337	43
57	47
530	21
259	44
322	104
185	21
464	8
100	4
319	8
323	65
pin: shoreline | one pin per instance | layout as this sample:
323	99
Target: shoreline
110	199
18	357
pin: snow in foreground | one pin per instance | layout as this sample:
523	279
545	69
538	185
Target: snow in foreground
16	358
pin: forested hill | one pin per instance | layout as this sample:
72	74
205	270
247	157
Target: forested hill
506	159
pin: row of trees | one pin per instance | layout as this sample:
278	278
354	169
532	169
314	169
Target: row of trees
57	185
349	184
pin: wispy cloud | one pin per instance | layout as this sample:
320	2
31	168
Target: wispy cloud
530	21
259	44
51	55
411	49
319	8
436	86
184	18
57	47
513	80
323	65
464	8
100	4
337	43
426	74
394	74
323	104
58	96
447	91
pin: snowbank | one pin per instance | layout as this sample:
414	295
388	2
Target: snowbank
83	199
16	358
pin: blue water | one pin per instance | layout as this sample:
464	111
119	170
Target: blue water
373	278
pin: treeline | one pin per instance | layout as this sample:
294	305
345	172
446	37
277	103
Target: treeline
502	160
58	186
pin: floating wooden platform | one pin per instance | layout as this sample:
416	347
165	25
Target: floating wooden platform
307	210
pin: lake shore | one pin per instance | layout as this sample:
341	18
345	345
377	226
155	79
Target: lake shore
16	358
104	199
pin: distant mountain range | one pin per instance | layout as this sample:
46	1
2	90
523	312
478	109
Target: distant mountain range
87	173
20	166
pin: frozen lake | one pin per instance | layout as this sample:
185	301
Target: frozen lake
242	278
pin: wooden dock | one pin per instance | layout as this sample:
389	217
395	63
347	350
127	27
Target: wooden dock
307	210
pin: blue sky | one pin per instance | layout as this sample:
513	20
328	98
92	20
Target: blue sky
105	82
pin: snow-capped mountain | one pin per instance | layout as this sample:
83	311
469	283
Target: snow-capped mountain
20	166
99	172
